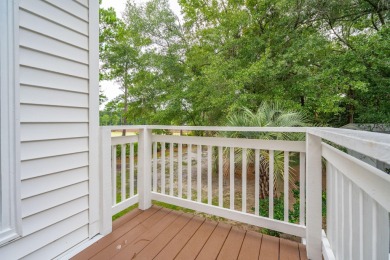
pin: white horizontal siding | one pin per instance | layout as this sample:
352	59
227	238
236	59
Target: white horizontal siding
49	217
43	166
55	15
37	240
60	245
54	115
52	199
46	114
42	43
35	59
49	131
40	25
47	79
82	2
71	7
40	149
37	96
39	185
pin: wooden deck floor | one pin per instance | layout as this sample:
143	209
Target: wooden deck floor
159	233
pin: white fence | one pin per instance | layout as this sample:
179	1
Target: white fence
222	176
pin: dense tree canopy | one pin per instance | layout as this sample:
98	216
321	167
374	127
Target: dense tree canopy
329	59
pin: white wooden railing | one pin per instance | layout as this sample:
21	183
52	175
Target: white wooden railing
199	173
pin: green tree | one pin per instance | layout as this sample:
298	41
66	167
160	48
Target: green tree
267	115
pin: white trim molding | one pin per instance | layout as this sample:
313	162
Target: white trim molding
10	206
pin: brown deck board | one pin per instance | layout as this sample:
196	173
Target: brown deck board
250	248
231	247
288	250
214	244
113	249
154	247
302	252
269	249
134	219
195	244
159	233
131	251
180	240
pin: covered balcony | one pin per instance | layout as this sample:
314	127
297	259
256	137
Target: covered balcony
322	201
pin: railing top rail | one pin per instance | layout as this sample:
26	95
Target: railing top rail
210	128
375	145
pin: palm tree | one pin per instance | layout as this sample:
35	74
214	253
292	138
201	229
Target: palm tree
267	115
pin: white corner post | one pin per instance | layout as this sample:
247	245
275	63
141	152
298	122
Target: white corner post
145	168
313	197
105	182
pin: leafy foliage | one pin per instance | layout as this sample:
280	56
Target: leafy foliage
329	59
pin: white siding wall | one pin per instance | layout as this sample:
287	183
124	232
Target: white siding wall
54	115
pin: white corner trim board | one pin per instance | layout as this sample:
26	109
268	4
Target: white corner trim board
10	219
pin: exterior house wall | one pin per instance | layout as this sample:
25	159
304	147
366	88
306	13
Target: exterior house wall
55	126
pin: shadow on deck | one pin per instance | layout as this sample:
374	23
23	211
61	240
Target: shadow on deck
159	233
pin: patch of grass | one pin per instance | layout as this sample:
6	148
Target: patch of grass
173	207
124	212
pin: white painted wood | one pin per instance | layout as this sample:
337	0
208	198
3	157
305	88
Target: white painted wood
371	180
43	96
350	221
234	142
62	244
45	44
123	172
302	187
244	173
286	183
251	219
42	26
46	183
257	181
49	217
374	240
78	248
71	8
46	114
180	170
327	252
10	206
220	176
361	227
48	200
162	176
337	213
228	128
144	173
383	233
171	154
314	201
31	58
124	139
209	173
40	149
189	171
375	145
52	80
46	236
329	205
124	204
199	173
113	174
105	174
44	166
46	131
132	166
231	168
271	184
155	158
342	232
55	15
